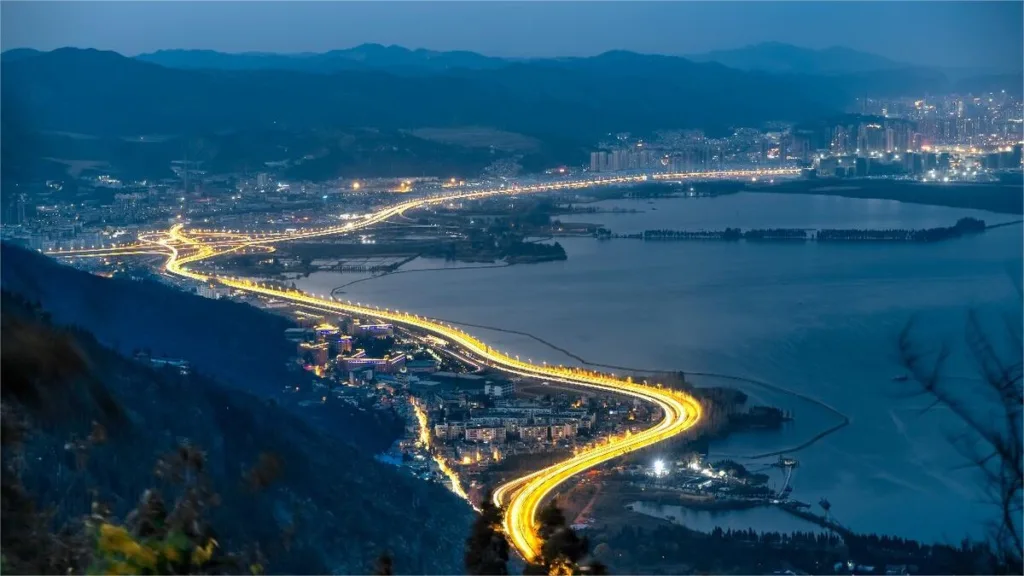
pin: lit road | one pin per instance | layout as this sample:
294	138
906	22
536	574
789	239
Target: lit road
442	464
679	411
522	497
237	240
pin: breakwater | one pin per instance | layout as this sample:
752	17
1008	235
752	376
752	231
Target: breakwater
963	227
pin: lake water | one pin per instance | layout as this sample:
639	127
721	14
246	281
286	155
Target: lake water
820	319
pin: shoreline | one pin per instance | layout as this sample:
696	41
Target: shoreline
844	419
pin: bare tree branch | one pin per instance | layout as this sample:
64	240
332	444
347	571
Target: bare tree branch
995	445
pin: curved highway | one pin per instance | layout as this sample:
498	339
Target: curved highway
679	411
524	496
237	240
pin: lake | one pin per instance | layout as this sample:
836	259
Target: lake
819	319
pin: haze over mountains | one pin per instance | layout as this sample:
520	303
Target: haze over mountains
772	57
767	57
777	57
362	57
254	108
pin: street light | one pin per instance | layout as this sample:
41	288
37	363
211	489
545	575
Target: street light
659	468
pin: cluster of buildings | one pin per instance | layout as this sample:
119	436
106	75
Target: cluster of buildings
95	209
624	159
853	135
949	164
689	151
509	420
943	138
987	128
476	431
329	348
932	138
982	120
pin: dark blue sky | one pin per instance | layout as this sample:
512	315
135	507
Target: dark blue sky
944	34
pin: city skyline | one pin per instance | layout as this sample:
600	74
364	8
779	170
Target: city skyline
946	35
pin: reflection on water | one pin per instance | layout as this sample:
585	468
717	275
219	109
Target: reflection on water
820	319
761	519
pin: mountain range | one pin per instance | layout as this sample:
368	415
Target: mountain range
90	105
772	57
362	57
776	57
95	92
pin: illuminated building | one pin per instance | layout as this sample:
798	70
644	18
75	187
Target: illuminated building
560	431
386	365
449	430
487	434
344	344
375	330
316	354
533	433
325	332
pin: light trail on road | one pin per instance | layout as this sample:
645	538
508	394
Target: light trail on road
680	411
425	439
235	240
523	496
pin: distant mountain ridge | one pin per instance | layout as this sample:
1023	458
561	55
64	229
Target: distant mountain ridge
310	106
780	58
57	91
773	57
362	57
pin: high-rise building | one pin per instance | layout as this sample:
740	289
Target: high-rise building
620	160
913	163
21	210
262	180
870	137
595	161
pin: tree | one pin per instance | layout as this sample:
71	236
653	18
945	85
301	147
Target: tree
384	566
486	547
994	442
47	378
563	551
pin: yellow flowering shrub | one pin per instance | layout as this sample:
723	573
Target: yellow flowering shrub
118	552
